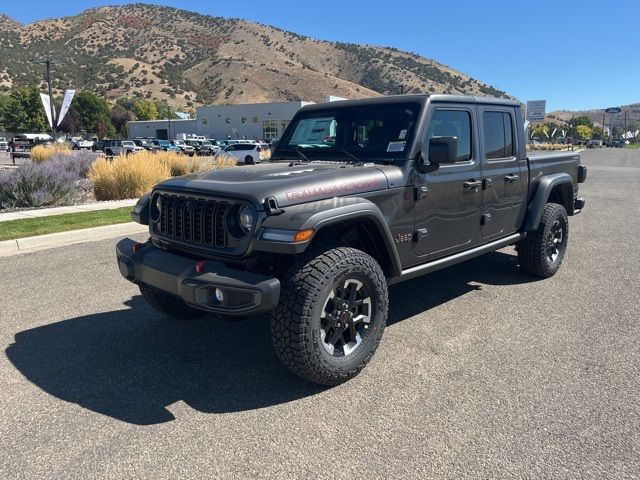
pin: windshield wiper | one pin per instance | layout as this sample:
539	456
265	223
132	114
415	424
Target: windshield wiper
302	155
348	153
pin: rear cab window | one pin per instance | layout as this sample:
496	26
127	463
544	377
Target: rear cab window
498	135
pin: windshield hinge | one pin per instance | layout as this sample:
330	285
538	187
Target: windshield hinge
271	206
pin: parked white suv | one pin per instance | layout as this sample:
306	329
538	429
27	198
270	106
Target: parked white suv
247	153
121	147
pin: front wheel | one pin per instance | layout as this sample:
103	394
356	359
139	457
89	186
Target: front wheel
331	316
541	253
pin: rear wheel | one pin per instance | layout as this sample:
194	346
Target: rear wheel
331	316
541	253
169	305
248	160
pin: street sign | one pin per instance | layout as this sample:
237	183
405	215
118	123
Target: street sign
613	110
536	110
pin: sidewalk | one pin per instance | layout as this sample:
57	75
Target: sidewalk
47	212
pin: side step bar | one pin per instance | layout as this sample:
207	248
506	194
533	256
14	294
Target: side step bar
429	267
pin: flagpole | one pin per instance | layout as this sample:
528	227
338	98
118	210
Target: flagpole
48	62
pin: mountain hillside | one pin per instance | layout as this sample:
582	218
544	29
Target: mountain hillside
189	59
632	111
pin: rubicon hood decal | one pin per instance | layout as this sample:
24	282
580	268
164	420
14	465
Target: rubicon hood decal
289	185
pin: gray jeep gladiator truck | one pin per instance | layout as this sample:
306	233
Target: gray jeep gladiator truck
359	195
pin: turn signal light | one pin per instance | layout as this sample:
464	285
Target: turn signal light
136	247
200	266
303	235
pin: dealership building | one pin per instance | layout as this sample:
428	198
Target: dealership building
265	121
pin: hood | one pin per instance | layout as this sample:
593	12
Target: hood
289	185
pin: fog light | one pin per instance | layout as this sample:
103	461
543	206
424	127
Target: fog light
219	295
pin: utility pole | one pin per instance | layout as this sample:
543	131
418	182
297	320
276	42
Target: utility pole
603	120
169	123
48	62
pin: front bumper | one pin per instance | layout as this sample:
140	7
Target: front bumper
245	293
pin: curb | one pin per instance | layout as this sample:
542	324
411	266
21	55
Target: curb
61	239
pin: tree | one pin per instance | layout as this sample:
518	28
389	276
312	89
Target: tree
145	110
104	128
71	122
91	110
584	132
23	111
581	120
164	110
119	118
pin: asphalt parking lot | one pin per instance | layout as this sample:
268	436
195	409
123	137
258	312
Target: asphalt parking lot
484	372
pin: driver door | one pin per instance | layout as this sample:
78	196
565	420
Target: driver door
449	200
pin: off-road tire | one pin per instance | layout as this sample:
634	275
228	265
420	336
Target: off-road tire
533	251
169	305
295	324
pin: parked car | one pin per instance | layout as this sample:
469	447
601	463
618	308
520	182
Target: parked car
82	144
4	146
165	145
146	144
594	144
247	153
617	143
120	147
203	148
315	241
184	147
98	145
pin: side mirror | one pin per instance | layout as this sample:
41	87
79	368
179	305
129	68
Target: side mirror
443	150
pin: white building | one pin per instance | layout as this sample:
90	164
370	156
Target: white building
251	121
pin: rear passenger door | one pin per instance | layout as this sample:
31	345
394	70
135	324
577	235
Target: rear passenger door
503	181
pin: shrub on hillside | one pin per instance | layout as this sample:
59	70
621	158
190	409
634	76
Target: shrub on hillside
41	153
38	185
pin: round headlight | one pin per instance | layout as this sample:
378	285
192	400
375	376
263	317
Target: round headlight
246	217
156	207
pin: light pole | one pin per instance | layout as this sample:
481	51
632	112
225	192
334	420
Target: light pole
48	62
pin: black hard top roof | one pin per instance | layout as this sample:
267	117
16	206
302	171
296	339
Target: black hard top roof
421	99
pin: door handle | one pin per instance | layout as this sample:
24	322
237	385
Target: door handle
472	184
511	178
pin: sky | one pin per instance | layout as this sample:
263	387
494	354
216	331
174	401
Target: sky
576	54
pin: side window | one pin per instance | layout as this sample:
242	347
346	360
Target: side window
452	123
498	135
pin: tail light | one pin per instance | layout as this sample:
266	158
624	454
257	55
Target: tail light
258	149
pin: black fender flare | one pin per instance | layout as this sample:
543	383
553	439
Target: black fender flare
323	213
544	187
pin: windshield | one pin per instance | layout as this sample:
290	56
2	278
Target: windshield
371	131
128	144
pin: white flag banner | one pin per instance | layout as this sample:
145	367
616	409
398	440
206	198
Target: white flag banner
46	103
66	103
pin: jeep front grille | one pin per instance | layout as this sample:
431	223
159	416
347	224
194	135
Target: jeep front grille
191	220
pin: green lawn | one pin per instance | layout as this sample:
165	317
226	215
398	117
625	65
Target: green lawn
29	227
